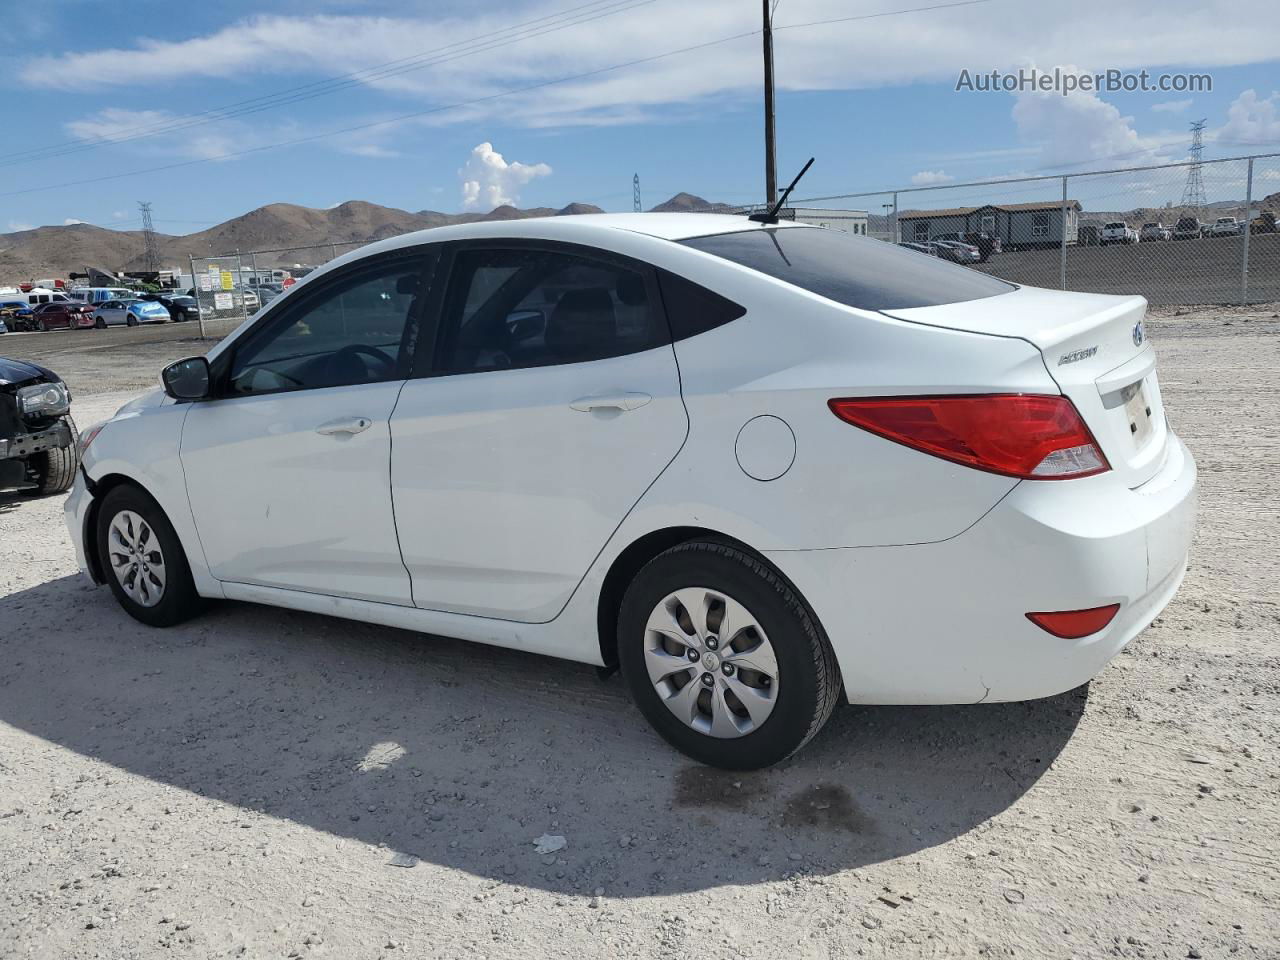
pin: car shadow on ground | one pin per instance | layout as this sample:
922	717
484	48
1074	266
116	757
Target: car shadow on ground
461	754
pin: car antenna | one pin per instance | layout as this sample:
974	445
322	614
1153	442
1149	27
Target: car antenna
771	216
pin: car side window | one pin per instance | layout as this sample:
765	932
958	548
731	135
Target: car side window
351	331
511	308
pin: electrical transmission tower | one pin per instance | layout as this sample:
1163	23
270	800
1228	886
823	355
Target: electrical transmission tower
635	193
151	255
1193	192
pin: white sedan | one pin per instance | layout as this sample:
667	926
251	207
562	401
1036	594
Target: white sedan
762	467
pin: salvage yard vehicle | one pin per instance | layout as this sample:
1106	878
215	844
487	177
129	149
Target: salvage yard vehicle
63	315
17	314
1188	228
761	467
37	435
1226	227
1154	231
1117	231
1264	222
129	312
957	251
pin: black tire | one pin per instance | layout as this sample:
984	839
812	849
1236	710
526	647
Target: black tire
179	600
808	683
131	321
100	324
54	471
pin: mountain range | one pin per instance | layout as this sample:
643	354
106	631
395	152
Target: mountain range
55	251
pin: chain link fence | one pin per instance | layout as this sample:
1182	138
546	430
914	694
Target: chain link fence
231	288
1118	231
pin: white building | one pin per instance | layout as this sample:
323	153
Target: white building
846	221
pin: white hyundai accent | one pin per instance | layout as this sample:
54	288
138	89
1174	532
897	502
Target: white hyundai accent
758	466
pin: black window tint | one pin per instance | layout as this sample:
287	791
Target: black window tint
350	332
857	271
521	307
692	309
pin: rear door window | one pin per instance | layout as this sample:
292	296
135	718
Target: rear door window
856	271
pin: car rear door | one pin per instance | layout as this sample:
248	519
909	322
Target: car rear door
288	471
552	404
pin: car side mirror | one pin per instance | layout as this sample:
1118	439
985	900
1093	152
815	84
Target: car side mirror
187	379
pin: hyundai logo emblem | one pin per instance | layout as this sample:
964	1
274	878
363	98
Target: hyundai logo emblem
1138	334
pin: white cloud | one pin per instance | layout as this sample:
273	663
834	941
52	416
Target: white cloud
1252	120
928	178
115	124
1077	127
1171	106
920	47
119	215
488	181
72	221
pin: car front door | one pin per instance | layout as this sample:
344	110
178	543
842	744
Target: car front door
552	404
288	469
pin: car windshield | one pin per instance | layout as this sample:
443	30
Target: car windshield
856	271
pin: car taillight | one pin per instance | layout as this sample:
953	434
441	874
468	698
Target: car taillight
1074	624
1029	436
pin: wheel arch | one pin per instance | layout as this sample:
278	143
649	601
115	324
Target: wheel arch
639	552
100	488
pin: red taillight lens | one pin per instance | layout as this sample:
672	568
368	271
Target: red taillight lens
1029	436
1074	624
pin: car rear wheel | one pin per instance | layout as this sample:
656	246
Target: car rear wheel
143	560
723	658
100	324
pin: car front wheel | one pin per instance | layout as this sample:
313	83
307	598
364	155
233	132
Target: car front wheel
142	559
723	657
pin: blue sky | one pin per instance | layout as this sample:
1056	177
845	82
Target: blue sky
873	99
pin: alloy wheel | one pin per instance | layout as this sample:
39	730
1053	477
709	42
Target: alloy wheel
136	558
711	662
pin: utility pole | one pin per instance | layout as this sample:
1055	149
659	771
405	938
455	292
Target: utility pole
635	193
770	154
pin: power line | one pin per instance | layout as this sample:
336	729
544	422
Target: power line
440	55
639	61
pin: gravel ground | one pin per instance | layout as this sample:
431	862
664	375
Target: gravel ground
249	784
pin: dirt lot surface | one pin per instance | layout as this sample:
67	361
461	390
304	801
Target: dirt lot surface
245	785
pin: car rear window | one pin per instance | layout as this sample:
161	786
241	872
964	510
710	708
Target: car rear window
856	271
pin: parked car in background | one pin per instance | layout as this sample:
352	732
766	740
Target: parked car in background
1225	227
96	295
17	314
1117	231
180	306
1264	222
64	315
38	440
1089	234
268	292
957	251
252	302
926	248
3	327
129	313
1155	231
523	479
1187	228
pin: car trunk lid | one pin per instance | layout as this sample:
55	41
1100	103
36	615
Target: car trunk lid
1095	348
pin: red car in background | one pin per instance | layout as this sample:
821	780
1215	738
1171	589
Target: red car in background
64	316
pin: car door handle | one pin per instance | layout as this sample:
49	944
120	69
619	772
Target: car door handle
611	401
344	425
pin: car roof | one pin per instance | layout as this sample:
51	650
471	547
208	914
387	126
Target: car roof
586	227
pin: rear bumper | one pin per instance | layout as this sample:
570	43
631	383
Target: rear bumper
946	622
